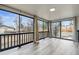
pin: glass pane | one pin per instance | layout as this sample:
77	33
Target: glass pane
53	29
57	29
45	26
8	22
40	25
26	24
41	29
67	29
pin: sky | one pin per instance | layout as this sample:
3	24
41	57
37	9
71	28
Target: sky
7	18
66	22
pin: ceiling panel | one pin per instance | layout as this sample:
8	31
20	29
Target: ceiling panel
42	10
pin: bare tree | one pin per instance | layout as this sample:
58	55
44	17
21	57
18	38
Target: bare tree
16	23
30	25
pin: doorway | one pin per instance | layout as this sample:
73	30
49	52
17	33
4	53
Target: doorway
63	29
56	29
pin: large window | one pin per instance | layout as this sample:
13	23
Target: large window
42	28
26	24
40	25
67	29
45	26
53	29
8	22
56	29
63	29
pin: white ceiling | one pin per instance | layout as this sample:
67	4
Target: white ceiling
42	10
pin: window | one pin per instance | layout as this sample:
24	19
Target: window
45	26
42	28
63	29
53	29
67	29
26	24
8	22
57	29
40	25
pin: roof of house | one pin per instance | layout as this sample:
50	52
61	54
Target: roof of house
7	26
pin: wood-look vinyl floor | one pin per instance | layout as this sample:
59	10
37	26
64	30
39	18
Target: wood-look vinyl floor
47	46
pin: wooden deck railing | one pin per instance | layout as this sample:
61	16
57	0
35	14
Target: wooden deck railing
8	41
